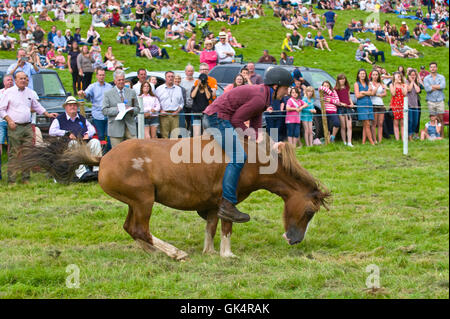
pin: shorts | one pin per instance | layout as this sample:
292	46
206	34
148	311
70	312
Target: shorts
344	110
152	121
3	132
436	107
333	120
330	25
379	109
293	129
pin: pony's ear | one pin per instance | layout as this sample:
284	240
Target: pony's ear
278	146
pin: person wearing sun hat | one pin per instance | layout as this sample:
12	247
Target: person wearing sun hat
76	127
225	52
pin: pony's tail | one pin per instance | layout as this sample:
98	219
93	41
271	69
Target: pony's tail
56	157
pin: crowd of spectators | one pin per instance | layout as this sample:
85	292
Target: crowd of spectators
168	106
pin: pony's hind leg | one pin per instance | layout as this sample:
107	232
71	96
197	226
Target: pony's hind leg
138	228
210	232
225	240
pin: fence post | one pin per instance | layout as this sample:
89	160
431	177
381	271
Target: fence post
326	133
140	117
405	126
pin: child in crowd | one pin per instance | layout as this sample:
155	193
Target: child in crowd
60	60
306	115
293	107
432	129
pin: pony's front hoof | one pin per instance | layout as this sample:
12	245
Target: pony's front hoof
228	254
209	251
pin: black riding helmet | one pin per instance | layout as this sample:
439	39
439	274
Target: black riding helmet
278	75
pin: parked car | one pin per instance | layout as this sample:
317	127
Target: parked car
226	73
49	88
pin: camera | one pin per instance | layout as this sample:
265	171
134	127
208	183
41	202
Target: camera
203	79
24	59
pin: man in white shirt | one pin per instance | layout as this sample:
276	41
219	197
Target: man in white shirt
142	78
225	52
187	83
171	99
6	42
7	83
75	126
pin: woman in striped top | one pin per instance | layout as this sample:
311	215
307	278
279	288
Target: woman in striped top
331	100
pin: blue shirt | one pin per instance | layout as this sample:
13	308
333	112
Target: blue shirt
95	93
59	42
329	16
27	68
436	95
50	36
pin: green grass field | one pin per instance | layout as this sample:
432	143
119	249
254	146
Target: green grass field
388	210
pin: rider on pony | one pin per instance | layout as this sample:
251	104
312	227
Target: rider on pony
230	112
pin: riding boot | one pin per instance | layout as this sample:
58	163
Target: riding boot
228	212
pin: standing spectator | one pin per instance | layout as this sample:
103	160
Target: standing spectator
201	95
116	99
84	64
306	116
187	83
293	108
22	65
212	82
171	100
379	91
95	93
238	81
342	89
73	66
330	19
151	109
423	72
225	52
331	102
76	126
209	55
16	105
398	90
142	78
413	102
364	103
182	119
434	84
7	83
255	78
266	58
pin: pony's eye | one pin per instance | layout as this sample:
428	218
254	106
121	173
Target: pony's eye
309	213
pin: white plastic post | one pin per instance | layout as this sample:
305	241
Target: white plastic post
140	118
405	126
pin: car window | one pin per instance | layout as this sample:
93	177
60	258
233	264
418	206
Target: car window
260	72
225	74
48	84
316	78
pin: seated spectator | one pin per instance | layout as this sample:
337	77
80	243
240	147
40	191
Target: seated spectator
321	42
191	46
404	32
126	13
178	29
373	51
395	50
59	14
309	40
116	19
266	58
169	34
285	59
380	34
51	55
362	55
232	40
122	37
233	19
31	23
287	43
60	60
59	41
96	54
297	40
93	34
19	23
69	39
432	129
407	51
97	19
43	16
209	55
111	63
142	50
425	38
348	34
428	21
437	39
74	126
42	61
156	51
7	42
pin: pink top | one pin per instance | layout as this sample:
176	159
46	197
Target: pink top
151	102
18	104
293	116
209	57
331	99
60	60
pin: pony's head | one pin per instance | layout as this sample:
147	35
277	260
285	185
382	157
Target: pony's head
304	197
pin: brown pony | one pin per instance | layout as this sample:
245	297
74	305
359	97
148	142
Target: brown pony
142	172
